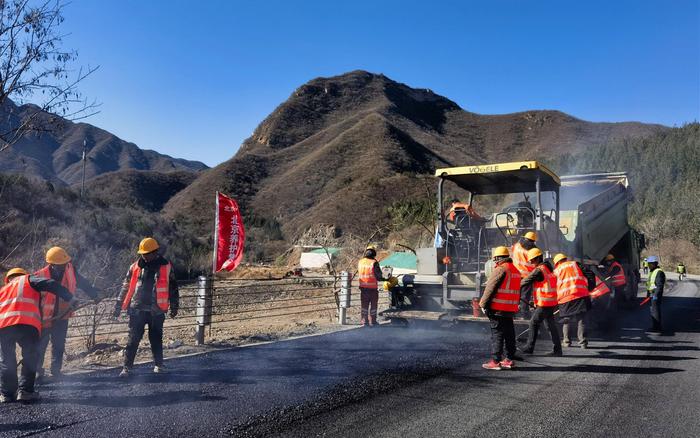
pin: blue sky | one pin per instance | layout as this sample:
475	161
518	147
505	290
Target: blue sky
193	79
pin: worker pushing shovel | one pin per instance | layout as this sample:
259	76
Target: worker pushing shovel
544	288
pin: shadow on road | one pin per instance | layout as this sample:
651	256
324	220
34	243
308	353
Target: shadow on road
164	398
601	369
649	357
646	347
25	427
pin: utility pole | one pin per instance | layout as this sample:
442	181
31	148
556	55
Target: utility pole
82	186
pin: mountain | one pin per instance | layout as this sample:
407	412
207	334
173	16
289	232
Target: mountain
342	149
126	188
55	154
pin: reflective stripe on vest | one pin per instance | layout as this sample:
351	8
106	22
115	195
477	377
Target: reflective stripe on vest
162	286
507	298
520	259
651	281
618	280
545	291
48	300
601	288
571	283
365	271
19	304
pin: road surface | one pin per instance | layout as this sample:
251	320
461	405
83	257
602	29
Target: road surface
397	382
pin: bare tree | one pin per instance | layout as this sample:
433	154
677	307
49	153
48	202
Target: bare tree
35	66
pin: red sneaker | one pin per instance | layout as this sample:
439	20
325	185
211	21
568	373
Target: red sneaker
491	365
507	364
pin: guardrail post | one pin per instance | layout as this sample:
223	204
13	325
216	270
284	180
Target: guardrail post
205	292
344	297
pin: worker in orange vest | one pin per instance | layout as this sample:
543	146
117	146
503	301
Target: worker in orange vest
519	253
544	288
54	311
520	250
458	207
148	292
573	297
370	274
616	273
20	324
500	303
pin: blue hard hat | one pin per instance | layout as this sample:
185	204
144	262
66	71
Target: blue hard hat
653	259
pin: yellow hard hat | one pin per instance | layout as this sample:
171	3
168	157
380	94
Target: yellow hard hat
534	252
57	256
14	271
147	245
609	257
373	247
392	282
501	251
531	235
559	257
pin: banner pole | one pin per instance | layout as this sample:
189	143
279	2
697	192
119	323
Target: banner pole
216	238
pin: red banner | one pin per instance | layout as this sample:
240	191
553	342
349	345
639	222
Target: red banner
229	235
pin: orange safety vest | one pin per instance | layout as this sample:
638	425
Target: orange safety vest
571	283
19	304
520	260
618	280
162	286
365	270
600	288
48	300
507	296
545	291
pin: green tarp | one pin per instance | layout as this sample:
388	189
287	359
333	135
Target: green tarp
402	260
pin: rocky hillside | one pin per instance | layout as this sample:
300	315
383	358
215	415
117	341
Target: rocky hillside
341	149
55	154
141	189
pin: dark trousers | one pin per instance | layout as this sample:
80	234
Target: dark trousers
580	321
546	315
28	339
138	319
57	335
502	332
656	314
369	299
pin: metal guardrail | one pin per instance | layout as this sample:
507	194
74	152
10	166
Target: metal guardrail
208	302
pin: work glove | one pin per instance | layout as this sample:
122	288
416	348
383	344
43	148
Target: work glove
483	310
654	298
173	313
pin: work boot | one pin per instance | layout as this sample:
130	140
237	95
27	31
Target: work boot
584	346
507	364
566	344
491	365
555	353
5	398
57	376
160	369
26	396
125	372
526	350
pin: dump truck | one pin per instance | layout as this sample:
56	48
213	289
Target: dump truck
583	216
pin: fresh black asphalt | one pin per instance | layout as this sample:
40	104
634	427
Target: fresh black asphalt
394	381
